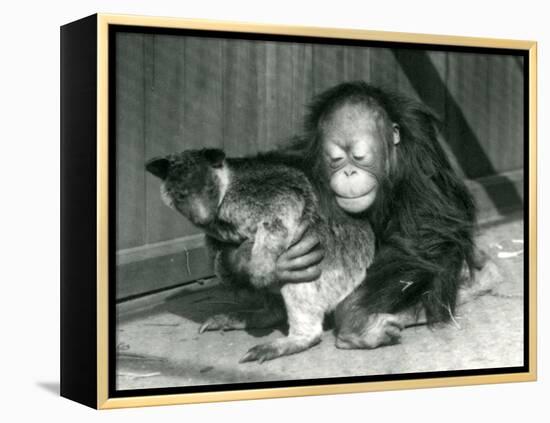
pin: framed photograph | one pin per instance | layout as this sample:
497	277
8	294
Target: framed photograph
256	211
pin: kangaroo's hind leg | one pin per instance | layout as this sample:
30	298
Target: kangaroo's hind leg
305	321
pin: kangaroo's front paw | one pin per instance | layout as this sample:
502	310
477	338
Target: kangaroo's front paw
226	321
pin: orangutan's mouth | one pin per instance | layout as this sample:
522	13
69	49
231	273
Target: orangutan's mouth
358	197
356	204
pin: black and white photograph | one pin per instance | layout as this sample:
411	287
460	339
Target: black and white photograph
292	211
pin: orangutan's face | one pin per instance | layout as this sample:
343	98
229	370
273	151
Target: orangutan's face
355	151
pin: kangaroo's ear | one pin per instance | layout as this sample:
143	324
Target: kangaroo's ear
215	156
158	166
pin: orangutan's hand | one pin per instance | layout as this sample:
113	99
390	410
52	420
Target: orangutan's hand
302	261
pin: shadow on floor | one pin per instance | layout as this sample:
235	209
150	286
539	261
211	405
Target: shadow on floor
50	387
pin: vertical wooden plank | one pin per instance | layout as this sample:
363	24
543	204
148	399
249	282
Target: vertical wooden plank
515	89
164	106
241	128
472	102
468	117
356	63
202	124
437	93
165	61
284	92
505	113
328	67
302	85
130	139
421	75
275	96
406	70
383	68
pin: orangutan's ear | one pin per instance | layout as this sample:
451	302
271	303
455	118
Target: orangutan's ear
396	134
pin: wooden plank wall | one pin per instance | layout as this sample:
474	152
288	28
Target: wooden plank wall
175	93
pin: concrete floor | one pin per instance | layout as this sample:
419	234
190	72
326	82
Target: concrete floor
158	344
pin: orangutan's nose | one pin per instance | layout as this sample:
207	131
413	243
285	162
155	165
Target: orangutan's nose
350	172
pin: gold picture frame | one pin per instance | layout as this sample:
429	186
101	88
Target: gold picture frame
86	305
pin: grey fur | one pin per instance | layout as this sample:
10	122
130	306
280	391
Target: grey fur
255	206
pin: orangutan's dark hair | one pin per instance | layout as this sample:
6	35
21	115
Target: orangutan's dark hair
423	217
